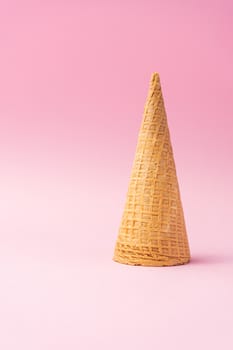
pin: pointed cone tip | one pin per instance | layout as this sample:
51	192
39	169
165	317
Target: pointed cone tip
155	82
155	79
155	75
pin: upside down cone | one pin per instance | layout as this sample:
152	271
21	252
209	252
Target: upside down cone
152	230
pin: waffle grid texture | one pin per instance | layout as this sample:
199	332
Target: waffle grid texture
152	230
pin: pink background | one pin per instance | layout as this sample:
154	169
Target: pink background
74	77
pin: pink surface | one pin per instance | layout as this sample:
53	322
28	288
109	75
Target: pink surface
74	79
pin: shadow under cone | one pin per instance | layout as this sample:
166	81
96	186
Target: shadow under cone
152	230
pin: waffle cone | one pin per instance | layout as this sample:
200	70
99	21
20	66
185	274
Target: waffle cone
152	230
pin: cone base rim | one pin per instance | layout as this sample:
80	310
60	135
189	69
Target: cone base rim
165	261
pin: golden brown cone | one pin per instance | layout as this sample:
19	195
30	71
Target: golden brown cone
152	230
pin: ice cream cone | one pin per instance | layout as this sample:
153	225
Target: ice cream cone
152	230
